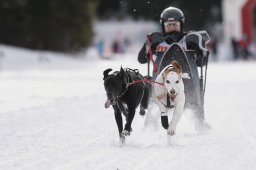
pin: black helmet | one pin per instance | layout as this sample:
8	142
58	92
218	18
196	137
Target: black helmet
172	14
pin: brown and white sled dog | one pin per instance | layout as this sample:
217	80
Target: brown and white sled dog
170	95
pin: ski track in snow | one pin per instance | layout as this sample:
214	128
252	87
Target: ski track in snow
67	127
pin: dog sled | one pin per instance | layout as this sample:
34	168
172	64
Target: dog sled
195	67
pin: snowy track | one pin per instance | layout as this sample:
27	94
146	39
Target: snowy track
54	118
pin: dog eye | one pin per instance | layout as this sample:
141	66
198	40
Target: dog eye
177	81
167	81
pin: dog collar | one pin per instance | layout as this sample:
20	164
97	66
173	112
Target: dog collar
126	88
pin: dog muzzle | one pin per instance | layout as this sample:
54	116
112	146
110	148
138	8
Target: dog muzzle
172	95
112	101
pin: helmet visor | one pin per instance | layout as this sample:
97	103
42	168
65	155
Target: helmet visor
172	23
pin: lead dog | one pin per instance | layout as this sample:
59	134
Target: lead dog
125	97
170	95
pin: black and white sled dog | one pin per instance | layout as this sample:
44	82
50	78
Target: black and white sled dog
170	95
125	96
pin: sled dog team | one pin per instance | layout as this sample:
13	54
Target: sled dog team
128	89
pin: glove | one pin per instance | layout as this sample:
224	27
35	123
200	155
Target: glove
192	46
155	38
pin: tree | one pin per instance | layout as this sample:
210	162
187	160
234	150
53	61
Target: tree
59	25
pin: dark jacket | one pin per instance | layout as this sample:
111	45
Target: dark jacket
155	39
195	43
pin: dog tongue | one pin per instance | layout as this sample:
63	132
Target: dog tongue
107	104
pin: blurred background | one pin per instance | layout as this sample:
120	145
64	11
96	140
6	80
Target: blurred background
120	26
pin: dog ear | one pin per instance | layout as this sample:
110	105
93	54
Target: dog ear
164	74
176	66
105	73
121	72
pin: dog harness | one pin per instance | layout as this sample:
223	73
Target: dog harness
170	101
128	83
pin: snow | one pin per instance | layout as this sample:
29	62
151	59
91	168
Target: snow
53	117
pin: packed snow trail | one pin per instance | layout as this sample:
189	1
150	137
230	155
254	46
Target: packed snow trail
53	117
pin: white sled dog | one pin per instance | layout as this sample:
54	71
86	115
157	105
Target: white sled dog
170	95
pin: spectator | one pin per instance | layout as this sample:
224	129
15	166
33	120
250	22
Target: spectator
100	47
235	49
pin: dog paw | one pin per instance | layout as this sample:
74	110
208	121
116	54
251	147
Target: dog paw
171	131
142	112
125	133
122	139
